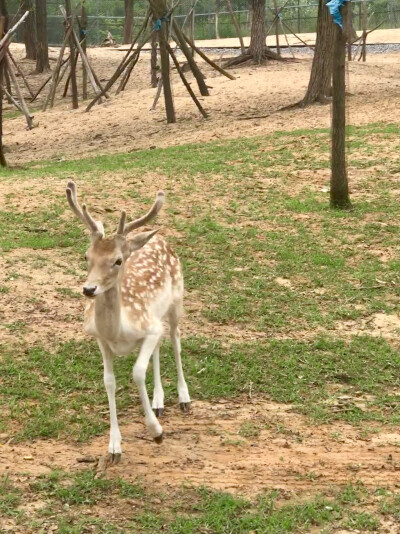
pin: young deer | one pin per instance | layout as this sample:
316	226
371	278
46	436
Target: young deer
133	283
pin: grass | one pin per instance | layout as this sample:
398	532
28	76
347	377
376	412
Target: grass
284	297
42	401
79	502
261	257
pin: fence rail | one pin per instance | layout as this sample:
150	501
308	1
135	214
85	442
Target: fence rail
212	25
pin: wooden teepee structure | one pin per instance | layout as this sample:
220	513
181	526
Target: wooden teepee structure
163	28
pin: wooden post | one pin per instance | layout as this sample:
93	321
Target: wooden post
339	193
74	86
278	48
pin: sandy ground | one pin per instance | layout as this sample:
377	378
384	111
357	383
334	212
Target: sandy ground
125	123
377	37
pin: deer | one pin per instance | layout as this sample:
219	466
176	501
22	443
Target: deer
134	285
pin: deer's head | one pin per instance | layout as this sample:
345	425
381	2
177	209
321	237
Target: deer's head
106	256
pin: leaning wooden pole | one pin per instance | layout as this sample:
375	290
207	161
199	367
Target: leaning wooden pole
180	39
25	110
339	193
236	24
185	82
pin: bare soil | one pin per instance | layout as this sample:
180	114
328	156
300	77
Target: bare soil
242	446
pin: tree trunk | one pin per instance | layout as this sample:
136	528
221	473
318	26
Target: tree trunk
153	60
29	29
42	49
72	58
258	51
319	86
128	23
258	34
339	194
3	30
83	40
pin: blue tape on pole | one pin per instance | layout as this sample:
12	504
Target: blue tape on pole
157	23
334	9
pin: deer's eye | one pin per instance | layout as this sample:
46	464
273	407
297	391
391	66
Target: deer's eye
118	262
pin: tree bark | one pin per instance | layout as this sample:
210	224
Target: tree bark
128	22
258	34
73	57
339	193
3	31
29	29
42	49
319	86
83	39
258	51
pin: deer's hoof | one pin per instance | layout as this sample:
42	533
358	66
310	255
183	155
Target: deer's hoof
159	439
114	458
185	407
158	412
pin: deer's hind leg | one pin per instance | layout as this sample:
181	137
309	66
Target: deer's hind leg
158	392
174	316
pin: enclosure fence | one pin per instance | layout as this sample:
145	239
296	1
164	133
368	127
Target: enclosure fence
214	23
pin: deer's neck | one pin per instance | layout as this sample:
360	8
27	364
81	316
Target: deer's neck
108	313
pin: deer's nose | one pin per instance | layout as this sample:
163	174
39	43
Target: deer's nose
88	291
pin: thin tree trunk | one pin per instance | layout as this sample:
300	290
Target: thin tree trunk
83	39
3	31
277	19
74	86
364	30
319	85
29	30
169	102
42	49
339	194
128	22
153	61
216	17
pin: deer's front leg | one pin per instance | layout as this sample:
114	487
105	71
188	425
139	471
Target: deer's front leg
114	447
139	376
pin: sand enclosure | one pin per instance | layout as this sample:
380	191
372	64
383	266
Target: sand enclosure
124	123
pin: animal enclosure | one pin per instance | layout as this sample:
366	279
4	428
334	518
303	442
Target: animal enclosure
290	336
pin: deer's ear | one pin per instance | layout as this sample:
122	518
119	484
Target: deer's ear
138	241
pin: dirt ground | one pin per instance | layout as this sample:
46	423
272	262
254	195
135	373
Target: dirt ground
211	447
125	123
208	446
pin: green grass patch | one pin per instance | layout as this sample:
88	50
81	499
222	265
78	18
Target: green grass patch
42	400
70	499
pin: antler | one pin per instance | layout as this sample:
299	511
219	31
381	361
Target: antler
123	229
81	213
